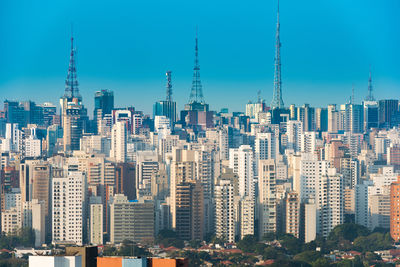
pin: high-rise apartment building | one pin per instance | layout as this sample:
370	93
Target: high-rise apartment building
68	208
294	132
118	142
292	214
267	197
225	210
330	201
95	221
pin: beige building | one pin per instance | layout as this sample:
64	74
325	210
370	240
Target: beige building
267	197
95	221
292	214
11	220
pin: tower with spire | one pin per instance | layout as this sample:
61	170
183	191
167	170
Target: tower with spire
371	108
277	101
196	99
196	114
166	107
370	97
73	113
71	82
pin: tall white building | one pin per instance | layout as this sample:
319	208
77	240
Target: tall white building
308	142
241	160
14	141
162	125
39	222
330	202
310	220
33	145
146	166
68	202
293	132
225	210
266	146
118	142
267	196
311	170
247	215
361	205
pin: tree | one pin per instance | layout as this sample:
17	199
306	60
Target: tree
308	256
21	237
321	262
269	236
169	238
195	243
289	263
273	253
348	231
292	244
247	244
373	242
166	233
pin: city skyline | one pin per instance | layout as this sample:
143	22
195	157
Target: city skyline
200	134
139	70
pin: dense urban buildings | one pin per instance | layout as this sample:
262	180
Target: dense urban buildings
125	175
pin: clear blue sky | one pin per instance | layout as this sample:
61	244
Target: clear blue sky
127	46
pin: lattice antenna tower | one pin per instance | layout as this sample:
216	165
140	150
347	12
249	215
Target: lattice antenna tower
196	93
277	101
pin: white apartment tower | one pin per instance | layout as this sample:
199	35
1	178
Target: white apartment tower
118	142
293	132
225	210
68	195
242	162
308	142
330	202
311	170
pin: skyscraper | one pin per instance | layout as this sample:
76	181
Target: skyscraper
388	112
277	101
103	104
